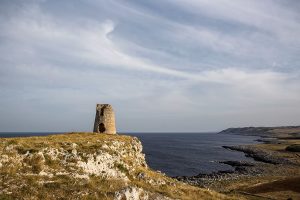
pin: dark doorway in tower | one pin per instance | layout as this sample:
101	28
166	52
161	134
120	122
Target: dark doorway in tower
101	128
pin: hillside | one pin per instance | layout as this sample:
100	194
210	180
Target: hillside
281	131
85	166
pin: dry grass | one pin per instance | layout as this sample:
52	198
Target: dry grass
281	189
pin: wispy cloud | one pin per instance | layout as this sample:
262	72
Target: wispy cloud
215	63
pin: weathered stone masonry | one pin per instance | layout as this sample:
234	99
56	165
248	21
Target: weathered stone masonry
105	119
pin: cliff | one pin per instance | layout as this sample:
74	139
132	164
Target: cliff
85	166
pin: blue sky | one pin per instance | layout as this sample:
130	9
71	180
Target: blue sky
193	65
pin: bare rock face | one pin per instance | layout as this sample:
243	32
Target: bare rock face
105	119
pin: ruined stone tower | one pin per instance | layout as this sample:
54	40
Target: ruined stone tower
105	119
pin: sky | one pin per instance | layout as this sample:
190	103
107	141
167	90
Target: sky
164	66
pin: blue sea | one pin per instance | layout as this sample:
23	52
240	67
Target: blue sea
178	154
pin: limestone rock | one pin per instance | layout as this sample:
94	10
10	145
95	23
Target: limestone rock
85	166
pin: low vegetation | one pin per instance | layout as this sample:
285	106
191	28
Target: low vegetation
293	148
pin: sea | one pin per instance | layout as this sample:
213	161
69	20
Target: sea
182	154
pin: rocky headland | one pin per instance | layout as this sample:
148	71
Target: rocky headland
86	166
274	172
269	132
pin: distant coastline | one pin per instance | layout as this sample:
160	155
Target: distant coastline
276	131
274	175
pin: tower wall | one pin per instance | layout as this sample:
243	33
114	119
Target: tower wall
105	119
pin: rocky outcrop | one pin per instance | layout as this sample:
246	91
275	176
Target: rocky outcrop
134	193
241	169
260	155
239	163
85	166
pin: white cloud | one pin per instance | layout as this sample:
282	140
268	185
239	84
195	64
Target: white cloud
47	61
264	15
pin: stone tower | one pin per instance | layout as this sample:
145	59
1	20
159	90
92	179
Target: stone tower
105	119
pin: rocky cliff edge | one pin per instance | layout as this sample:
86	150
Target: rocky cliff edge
85	166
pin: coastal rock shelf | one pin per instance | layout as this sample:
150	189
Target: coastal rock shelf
260	155
275	173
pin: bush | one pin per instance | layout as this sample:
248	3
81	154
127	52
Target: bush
293	148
